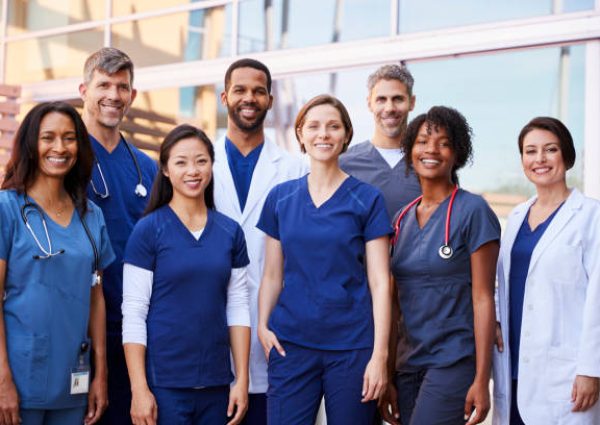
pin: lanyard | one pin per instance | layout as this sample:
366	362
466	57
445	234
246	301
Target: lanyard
445	250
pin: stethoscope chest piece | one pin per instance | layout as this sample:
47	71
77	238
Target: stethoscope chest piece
140	190
445	251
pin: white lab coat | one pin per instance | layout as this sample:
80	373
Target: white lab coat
560	333
274	166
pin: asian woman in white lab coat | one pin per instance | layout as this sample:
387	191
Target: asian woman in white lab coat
547	360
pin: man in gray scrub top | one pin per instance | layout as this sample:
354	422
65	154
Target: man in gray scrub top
379	161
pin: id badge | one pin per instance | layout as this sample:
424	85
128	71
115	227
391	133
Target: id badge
80	380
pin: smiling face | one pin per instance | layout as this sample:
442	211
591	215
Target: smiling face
247	99
542	159
106	98
390	104
189	168
323	135
432	155
57	145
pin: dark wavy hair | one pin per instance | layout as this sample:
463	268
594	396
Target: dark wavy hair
162	189
23	166
456	126
556	127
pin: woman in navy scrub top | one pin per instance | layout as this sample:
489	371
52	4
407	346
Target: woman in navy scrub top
51	303
547	370
325	330
185	296
445	294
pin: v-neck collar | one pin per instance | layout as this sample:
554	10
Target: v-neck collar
336	194
377	155
46	216
443	206
185	232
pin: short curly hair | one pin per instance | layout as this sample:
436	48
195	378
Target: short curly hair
456	126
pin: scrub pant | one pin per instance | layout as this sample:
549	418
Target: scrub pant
72	416
515	416
257	410
298	381
119	390
191	406
435	396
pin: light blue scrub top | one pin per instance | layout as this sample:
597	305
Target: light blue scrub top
435	294
47	301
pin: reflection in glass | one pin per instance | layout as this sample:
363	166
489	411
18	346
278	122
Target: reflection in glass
35	15
50	58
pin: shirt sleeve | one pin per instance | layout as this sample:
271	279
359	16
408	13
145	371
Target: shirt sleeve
141	246
378	220
107	255
137	290
6	234
240	250
238	305
481	226
269	220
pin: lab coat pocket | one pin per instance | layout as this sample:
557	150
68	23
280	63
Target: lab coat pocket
28	360
560	373
565	264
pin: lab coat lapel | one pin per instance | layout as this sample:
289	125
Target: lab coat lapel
560	220
263	178
223	181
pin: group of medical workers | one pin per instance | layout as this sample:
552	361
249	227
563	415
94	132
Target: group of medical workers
228	284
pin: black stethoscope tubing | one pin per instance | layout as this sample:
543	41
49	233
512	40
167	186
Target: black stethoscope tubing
140	189
445	251
49	253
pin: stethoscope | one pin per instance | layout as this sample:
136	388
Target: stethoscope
445	250
29	207
140	189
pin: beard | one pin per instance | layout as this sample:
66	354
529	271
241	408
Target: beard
244	125
395	131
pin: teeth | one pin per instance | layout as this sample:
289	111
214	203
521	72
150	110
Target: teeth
56	160
323	145
541	170
430	161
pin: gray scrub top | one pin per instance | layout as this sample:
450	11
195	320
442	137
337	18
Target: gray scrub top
435	294
364	162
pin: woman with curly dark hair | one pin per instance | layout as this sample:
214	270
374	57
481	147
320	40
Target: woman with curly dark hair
443	260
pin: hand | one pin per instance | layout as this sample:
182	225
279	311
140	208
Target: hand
585	392
499	341
238	402
97	400
388	405
144	410
9	402
269	340
477	403
374	379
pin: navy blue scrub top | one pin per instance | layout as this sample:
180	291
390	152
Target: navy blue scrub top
122	209
188	335
435	294
47	301
242	168
325	302
520	257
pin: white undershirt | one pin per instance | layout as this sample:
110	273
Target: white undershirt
137	290
391	155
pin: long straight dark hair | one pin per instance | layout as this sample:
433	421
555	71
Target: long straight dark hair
23	166
162	189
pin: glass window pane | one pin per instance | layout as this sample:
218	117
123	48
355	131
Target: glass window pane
309	23
427	15
127	7
201	34
50	57
35	15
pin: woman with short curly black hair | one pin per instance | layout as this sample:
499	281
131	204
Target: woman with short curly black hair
444	256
